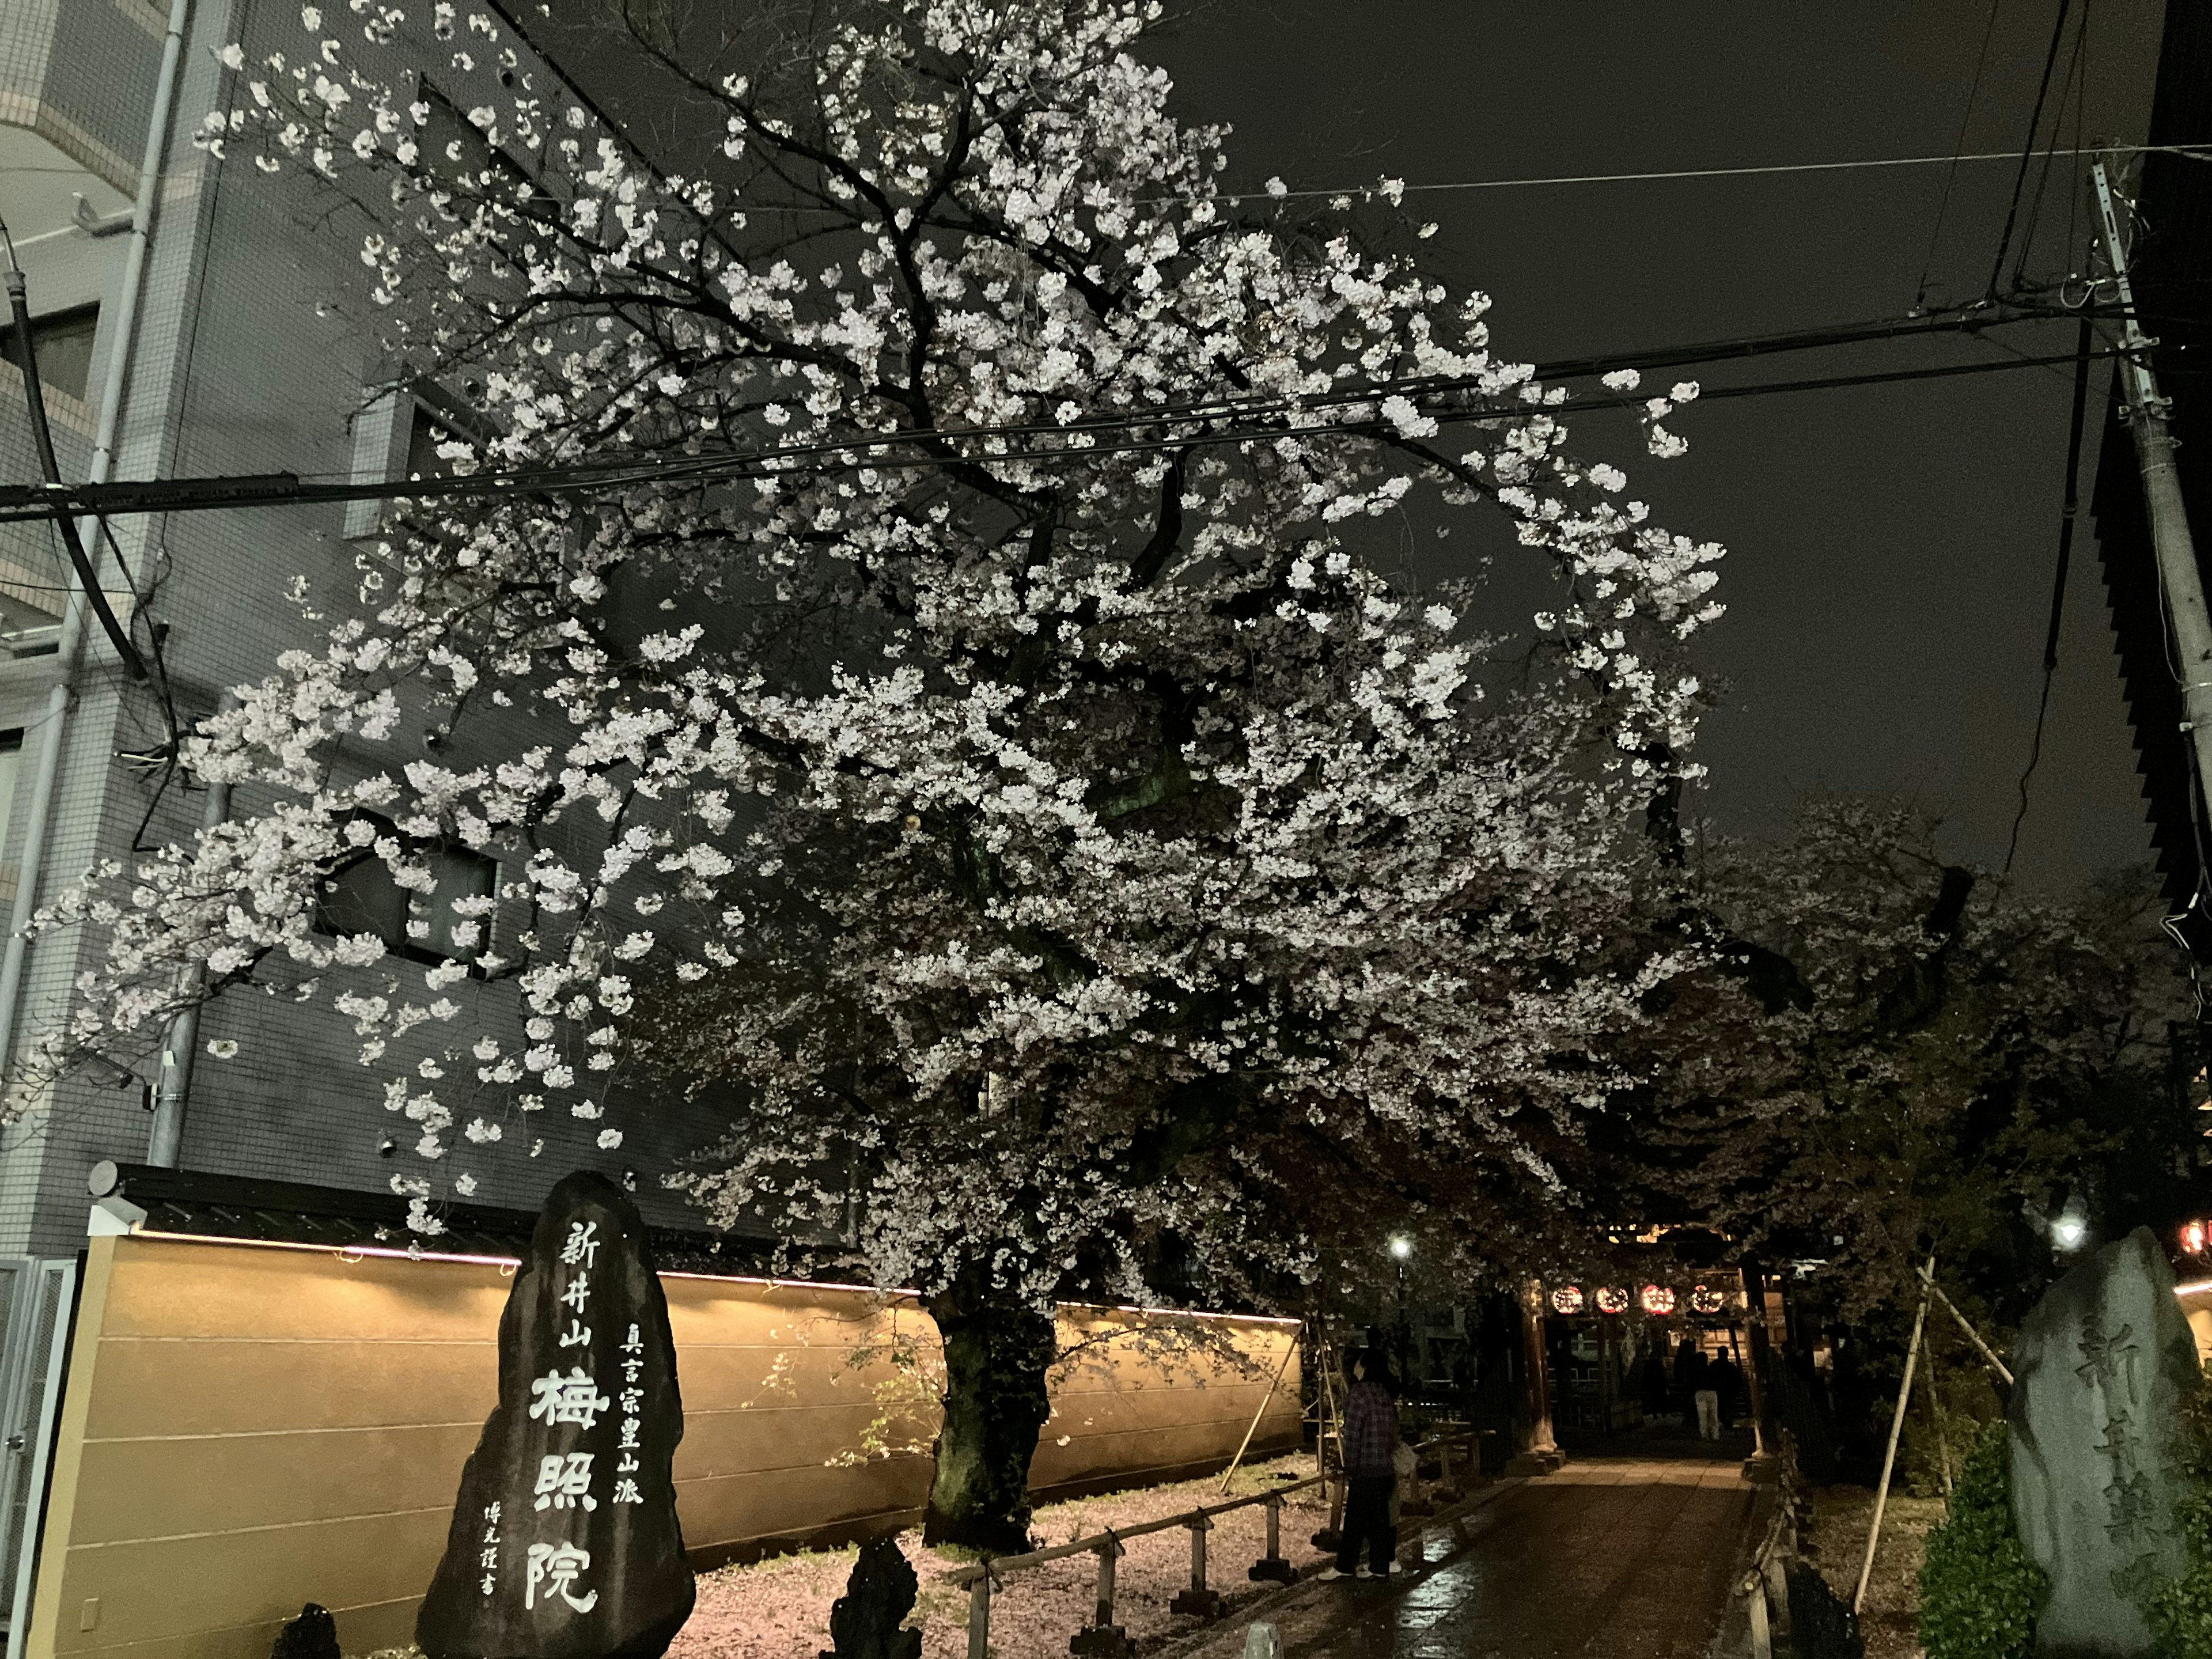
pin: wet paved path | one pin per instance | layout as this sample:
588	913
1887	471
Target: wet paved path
1612	1558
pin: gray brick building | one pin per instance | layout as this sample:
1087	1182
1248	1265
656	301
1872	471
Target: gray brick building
251	349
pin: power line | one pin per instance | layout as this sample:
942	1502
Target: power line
19	502
1951	172
2027	150
2194	152
2058	581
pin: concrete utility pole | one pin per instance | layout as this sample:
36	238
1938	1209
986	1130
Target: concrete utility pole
2171	542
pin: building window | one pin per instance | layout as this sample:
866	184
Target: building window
62	342
396	436
11	759
361	897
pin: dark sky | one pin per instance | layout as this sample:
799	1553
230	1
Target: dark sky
1889	575
1891	549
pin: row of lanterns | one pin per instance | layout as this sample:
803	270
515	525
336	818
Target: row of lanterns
1656	1299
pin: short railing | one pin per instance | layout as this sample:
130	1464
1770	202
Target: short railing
1766	1586
1103	1638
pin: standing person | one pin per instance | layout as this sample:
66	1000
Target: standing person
1656	1393
1371	1474
1706	1393
1689	1378
1725	1378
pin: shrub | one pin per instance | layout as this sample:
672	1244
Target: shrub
2181	1611
1979	1591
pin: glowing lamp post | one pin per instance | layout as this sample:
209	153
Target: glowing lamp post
1401	1251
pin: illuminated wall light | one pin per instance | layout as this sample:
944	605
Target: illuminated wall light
1567	1299
2192	1238
1658	1299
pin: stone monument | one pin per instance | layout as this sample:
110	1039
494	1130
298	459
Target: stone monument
2100	1369
565	1543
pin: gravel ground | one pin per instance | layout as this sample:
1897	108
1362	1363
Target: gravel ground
779	1608
1891	1618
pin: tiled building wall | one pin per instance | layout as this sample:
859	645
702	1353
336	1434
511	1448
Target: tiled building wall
255	348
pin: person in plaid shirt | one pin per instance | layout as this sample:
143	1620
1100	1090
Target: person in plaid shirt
1371	1441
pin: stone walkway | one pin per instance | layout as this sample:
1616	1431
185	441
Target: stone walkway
1613	1557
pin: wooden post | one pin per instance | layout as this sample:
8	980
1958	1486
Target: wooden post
1755	1308
1542	1455
1107	1552
979	1615
1199	1601
1275	1507
1762	1635
1896	1428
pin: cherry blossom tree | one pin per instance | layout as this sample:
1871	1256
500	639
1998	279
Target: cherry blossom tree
933	691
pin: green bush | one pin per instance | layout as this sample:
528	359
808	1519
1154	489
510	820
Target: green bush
2181	1611
1979	1591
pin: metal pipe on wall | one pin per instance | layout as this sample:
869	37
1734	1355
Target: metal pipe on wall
53	725
173	1088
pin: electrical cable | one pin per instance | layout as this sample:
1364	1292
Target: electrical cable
1951	172
2074	67
2199	152
26	362
2027	150
18	504
2067	514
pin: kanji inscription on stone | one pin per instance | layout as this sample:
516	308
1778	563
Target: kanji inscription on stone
565	1543
2100	1366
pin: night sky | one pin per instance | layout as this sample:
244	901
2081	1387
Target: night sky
1891	548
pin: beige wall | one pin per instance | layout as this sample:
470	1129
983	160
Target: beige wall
249	1428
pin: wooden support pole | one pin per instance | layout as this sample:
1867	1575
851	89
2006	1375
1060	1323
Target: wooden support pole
1289	1349
1989	1357
1896	1428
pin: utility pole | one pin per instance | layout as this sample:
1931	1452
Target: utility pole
2171	542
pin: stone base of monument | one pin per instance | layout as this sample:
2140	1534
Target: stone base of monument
1537	1463
1199	1603
1272	1569
1101	1642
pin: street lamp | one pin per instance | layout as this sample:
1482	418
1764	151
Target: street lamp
1401	1251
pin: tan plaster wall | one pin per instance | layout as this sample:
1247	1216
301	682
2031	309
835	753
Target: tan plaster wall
247	1428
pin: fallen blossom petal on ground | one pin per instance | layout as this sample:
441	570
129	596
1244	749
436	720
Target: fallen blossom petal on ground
779	1608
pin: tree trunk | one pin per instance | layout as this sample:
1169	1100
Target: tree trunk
996	1354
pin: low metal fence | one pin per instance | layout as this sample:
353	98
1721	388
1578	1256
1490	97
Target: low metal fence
1103	1638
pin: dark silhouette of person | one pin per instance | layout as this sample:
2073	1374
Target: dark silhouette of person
1725	1378
1657	1388
1689	1381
